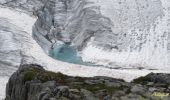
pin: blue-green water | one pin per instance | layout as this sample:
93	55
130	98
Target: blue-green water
66	53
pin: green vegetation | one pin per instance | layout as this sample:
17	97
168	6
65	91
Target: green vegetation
72	82
42	75
29	75
49	76
142	80
97	87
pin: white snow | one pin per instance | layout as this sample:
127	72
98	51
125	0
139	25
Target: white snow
17	17
25	23
3	81
126	18
148	58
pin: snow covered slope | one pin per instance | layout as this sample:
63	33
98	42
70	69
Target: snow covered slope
140	35
14	29
125	34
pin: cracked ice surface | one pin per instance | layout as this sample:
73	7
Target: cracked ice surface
141	31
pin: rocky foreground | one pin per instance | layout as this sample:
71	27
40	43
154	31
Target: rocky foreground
32	82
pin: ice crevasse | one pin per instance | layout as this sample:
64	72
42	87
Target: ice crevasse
140	35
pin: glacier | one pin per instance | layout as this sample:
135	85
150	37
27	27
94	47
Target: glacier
124	36
132	34
142	29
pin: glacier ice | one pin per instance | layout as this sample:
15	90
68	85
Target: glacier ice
126	33
139	38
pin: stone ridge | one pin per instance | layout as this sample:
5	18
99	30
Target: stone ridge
32	82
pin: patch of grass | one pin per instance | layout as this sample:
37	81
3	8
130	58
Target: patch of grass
28	76
42	75
48	76
80	79
141	80
96	87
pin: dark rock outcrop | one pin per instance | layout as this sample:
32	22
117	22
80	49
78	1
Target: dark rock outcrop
32	82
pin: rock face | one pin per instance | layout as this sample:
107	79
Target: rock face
32	82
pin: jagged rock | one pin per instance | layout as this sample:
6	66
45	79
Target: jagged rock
131	97
154	78
62	91
74	90
88	95
32	82
138	89
119	94
52	99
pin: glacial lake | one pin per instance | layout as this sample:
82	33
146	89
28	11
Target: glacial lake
68	54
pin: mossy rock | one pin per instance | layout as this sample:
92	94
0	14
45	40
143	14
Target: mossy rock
142	80
29	75
61	79
62	98
48	76
42	75
96	87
